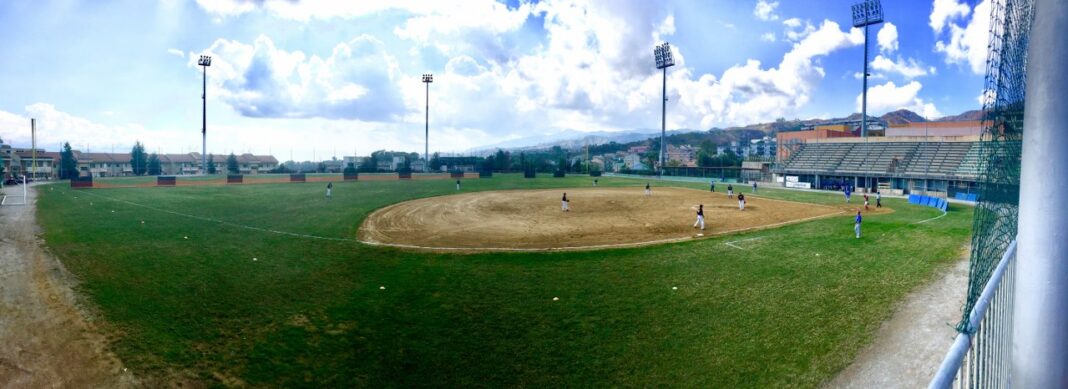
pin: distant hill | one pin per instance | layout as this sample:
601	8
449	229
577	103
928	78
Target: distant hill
571	141
902	116
966	116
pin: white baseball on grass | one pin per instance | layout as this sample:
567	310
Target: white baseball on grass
254	259
556	299
382	287
674	288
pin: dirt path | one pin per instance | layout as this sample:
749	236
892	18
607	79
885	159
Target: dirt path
910	346
46	340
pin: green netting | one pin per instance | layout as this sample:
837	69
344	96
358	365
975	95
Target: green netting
1003	109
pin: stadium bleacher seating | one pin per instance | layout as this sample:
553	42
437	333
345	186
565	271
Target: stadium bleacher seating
946	160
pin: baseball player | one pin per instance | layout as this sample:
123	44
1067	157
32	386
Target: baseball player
712	185
847	193
865	201
856	224
730	191
648	190
878	199
564	203
594	182
329	189
700	217
457	184
741	202
754	187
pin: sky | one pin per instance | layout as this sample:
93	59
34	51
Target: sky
317	78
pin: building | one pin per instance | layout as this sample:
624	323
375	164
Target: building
684	155
18	161
963	128
631	160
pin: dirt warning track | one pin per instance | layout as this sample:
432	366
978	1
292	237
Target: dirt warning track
599	218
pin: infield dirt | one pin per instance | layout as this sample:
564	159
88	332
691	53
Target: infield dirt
599	217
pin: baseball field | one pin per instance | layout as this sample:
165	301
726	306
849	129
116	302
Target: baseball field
410	283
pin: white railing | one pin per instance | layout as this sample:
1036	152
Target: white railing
979	357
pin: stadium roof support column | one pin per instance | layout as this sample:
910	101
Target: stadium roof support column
1040	338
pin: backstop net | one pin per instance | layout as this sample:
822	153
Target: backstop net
996	212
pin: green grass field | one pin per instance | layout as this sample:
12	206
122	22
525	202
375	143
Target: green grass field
791	308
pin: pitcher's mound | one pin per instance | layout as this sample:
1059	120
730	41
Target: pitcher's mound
599	218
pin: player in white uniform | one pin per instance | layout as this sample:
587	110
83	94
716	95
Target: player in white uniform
564	203
700	217
329	189
648	190
730	191
741	202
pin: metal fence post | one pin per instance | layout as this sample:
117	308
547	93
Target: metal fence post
1040	341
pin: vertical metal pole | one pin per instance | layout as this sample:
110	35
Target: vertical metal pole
663	125
33	149
1040	341
204	125
864	99
426	150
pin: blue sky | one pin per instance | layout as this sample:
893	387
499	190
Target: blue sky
337	77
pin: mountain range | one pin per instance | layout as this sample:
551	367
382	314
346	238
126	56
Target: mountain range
568	140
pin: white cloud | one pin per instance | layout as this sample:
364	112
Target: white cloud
55	127
796	30
944	11
967	44
357	81
765	10
176	52
906	68
890	97
768	37
887	38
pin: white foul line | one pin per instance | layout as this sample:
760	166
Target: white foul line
933	218
731	243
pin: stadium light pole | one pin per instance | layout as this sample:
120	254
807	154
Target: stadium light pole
664	60
866	13
427	79
204	61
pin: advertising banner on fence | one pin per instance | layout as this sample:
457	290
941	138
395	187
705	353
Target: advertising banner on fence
788	179
794	184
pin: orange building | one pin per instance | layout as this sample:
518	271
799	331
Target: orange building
965	128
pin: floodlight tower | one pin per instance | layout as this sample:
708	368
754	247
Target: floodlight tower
866	13
664	60
427	79
204	61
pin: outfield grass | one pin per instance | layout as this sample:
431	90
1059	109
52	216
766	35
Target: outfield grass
791	309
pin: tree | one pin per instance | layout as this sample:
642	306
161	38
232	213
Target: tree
321	168
435	162
211	163
350	169
68	166
231	164
154	167
138	159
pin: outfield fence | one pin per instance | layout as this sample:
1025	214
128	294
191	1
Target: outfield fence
980	355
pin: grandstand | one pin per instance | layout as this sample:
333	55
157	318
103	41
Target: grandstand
935	166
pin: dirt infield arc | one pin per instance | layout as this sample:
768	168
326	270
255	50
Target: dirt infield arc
599	218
